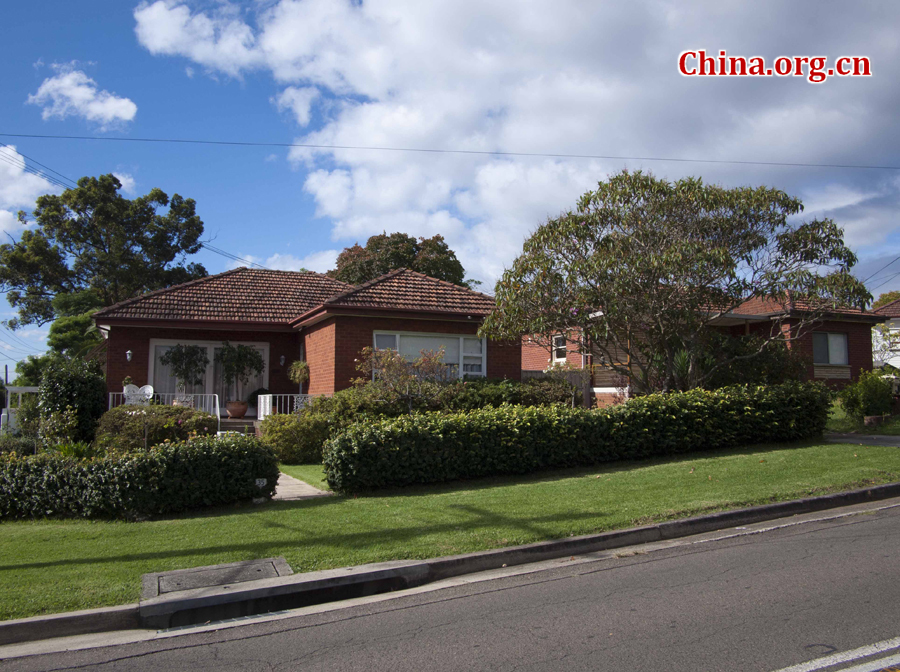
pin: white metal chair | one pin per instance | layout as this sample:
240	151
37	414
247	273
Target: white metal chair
138	396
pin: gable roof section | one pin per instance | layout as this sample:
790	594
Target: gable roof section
771	307
241	295
889	310
404	289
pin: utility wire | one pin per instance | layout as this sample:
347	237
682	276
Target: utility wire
16	150
6	158
881	269
430	150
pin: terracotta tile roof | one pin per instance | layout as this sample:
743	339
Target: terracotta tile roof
891	309
765	306
241	295
408	290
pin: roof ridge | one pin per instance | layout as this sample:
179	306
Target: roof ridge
181	285
365	285
889	303
450	284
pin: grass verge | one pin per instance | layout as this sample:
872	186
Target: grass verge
51	566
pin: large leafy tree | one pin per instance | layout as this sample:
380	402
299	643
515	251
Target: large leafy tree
643	267
91	247
386	252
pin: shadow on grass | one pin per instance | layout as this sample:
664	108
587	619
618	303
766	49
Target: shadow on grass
472	519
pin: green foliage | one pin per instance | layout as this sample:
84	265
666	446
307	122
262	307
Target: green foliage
885	298
77	384
870	395
297	438
468	395
298	372
752	360
30	370
58	426
168	479
644	267
93	240
417	383
238	361
188	363
122	429
435	447
384	253
18	443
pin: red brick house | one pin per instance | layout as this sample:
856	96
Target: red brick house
838	347
300	315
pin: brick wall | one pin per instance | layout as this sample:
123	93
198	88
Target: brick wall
535	357
859	350
355	333
319	347
137	339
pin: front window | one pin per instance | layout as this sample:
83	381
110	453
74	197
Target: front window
559	349
165	383
465	355
830	348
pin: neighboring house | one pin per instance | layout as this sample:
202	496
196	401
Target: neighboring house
839	346
300	315
887	344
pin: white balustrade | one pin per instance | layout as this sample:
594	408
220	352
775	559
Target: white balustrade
202	402
273	404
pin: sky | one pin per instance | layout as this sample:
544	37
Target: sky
543	78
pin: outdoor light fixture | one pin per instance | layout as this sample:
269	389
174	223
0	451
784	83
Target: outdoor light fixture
281	360
128	355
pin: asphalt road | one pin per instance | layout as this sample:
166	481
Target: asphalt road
760	602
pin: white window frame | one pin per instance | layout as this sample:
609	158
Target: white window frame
553	358
462	356
210	352
846	349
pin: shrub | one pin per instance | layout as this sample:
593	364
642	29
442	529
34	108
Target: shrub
75	383
297	438
468	395
18	443
122	428
165	480
870	395
434	447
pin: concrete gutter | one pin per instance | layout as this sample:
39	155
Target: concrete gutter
288	592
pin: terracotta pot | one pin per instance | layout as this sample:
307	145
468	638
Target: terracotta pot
236	409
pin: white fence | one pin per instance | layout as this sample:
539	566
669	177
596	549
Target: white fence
201	402
274	404
8	416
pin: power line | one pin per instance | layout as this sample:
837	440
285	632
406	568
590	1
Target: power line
20	163
16	150
431	150
228	255
881	269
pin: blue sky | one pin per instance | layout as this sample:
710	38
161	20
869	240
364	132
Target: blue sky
565	77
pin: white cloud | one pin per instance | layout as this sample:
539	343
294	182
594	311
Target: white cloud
128	184
18	188
316	261
189	71
298	100
72	93
560	78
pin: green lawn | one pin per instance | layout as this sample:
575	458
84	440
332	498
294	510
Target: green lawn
313	474
53	566
842	423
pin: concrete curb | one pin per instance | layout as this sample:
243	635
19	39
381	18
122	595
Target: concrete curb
298	590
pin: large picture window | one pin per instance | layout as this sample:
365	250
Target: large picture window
466	355
164	382
830	348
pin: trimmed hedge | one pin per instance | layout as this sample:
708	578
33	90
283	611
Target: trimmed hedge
166	479
297	438
121	428
435	447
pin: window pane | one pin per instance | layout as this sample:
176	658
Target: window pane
559	347
837	349
472	365
163	380
385	342
411	347
472	346
820	348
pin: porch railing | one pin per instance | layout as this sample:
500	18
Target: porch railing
8	415
201	402
274	404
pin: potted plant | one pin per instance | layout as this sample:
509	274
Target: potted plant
238	362
188	363
298	372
